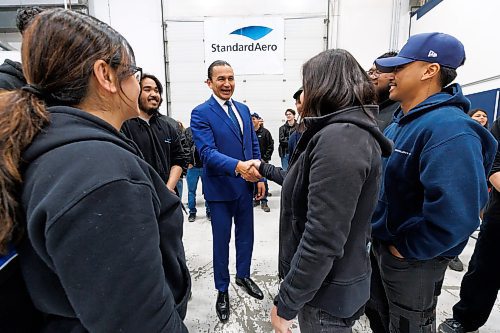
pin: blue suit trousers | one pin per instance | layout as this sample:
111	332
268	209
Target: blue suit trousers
223	213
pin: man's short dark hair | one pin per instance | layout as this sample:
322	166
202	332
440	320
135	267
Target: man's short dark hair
446	76
25	15
388	55
216	63
154	78
292	111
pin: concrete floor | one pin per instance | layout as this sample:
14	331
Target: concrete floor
251	315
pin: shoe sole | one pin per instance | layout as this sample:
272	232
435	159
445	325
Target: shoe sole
448	329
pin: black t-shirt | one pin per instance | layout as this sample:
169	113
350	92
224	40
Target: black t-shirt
159	143
492	209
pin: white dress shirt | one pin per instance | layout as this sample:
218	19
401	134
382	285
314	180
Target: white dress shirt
226	110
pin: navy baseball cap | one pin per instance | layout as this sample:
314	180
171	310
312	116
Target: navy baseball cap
297	93
431	47
255	115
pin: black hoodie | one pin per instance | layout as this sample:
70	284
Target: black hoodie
11	75
327	200
105	250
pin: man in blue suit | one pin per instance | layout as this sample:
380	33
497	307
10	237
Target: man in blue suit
224	135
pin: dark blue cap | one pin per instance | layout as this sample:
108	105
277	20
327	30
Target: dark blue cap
432	47
256	115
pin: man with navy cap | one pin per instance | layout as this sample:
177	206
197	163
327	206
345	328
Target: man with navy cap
434	184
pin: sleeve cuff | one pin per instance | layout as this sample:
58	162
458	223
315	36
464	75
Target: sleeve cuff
262	169
284	311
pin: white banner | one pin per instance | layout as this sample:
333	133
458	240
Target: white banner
252	45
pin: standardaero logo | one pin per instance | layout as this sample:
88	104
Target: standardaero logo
254	32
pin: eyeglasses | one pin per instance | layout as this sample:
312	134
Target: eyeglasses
374	73
136	72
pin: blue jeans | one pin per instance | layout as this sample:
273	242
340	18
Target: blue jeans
192	177
180	186
316	320
284	162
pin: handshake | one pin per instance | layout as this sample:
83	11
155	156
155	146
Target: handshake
249	170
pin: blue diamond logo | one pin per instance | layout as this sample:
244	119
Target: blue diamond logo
254	32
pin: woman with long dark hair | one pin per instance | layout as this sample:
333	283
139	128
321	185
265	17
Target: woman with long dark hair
480	116
328	197
97	231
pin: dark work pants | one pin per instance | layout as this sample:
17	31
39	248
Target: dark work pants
316	320
411	289
480	284
377	308
222	216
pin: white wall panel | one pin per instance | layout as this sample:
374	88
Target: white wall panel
186	67
365	28
203	8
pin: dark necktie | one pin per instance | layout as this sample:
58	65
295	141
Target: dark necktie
232	115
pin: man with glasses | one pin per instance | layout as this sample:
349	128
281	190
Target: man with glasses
377	305
381	80
284	135
434	183
157	139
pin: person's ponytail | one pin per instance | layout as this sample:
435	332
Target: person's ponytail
22	115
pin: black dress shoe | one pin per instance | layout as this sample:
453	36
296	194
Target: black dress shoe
222	306
250	287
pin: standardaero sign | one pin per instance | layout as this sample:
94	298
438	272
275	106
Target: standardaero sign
252	45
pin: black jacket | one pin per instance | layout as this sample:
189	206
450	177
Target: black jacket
284	134
386	112
194	155
159	142
11	75
266	143
105	250
492	209
182	136
327	200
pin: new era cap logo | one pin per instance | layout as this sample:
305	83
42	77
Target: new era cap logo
432	54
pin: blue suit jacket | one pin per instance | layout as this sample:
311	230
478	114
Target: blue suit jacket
221	147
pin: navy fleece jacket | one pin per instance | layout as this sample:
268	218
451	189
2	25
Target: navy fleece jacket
435	181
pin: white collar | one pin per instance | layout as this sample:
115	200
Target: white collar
221	101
